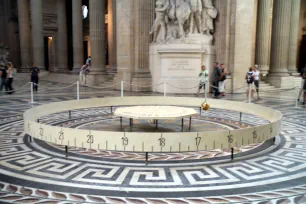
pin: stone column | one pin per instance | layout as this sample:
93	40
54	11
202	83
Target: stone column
280	37
24	34
61	41
97	41
124	43
144	16
293	40
242	43
37	33
77	35
221	31
263	36
111	33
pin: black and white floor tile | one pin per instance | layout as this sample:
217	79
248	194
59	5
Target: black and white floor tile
38	172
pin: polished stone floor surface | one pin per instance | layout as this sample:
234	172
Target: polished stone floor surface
39	172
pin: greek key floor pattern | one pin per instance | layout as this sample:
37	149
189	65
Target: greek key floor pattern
38	172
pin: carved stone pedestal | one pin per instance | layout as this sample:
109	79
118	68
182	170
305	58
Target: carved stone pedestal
141	81
95	78
283	82
179	65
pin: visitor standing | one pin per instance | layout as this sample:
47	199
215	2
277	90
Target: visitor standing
3	73
250	82
83	72
215	79
204	78
304	87
256	79
302	82
88	61
11	72
222	80
34	76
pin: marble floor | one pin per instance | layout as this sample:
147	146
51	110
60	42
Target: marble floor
39	172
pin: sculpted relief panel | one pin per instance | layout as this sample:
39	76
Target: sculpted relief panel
177	20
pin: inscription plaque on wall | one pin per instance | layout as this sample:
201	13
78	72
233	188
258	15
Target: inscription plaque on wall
180	67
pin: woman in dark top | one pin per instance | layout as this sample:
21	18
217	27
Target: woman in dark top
34	76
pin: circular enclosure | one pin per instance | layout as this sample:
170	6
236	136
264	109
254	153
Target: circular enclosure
152	141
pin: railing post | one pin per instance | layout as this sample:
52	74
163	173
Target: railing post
250	91
78	90
32	94
165	88
121	88
296	96
205	89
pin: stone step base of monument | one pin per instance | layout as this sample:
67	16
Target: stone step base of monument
265	86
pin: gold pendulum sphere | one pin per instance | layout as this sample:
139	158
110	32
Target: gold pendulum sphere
205	106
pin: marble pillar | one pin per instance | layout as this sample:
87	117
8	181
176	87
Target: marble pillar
144	16
77	35
221	31
24	34
124	42
280	37
243	36
263	36
278	74
37	33
111	33
61	41
293	39
97	41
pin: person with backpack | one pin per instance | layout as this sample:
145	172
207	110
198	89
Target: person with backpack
302	82
35	76
88	61
11	72
256	79
222	80
3	74
250	82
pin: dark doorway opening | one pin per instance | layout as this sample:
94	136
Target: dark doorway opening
302	57
46	52
69	33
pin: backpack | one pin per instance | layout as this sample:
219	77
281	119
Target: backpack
250	78
4	73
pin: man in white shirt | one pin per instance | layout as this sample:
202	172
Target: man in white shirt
83	72
256	79
204	78
302	82
88	61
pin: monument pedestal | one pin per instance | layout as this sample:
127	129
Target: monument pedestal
179	65
95	78
283	82
141	81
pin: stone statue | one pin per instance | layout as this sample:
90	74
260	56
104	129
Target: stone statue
4	54
195	16
208	14
160	20
177	20
182	13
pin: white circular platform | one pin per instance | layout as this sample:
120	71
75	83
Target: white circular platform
155	112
